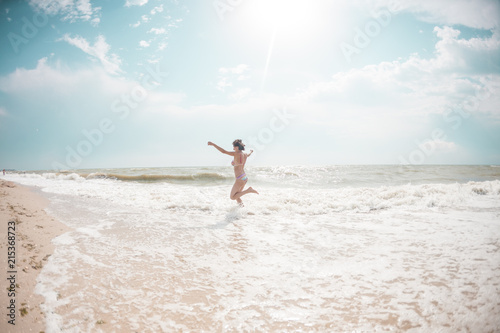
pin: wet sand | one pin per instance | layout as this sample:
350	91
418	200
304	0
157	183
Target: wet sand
34	231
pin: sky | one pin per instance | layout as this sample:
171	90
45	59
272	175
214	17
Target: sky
147	83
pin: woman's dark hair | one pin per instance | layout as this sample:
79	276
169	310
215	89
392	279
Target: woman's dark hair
239	143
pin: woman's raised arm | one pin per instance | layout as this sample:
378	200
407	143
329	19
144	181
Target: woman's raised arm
230	153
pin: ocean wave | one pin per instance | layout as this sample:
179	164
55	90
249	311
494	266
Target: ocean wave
368	199
287	177
196	193
205	177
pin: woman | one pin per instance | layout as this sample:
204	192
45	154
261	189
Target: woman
239	160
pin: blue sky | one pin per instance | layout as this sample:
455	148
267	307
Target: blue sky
147	82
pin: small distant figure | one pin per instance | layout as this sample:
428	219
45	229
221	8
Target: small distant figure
239	160
4	172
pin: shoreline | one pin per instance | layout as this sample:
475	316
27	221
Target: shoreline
148	257
34	231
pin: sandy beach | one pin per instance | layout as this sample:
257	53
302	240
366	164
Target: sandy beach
34	230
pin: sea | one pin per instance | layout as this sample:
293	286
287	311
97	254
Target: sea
371	248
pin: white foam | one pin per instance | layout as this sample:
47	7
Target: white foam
167	257
92	232
64	239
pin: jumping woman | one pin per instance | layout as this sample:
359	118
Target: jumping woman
239	160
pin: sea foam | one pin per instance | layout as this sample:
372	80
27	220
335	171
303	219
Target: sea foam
153	256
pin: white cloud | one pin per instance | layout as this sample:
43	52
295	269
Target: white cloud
440	146
46	80
240	94
130	3
174	23
53	86
158	9
71	10
143	43
222	84
229	74
95	22
467	55
399	98
459	68
157	101
64	102
3	111
241	68
243	77
157	31
154	60
135	25
482	14
99	50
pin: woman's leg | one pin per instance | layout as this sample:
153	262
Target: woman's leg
237	187
237	190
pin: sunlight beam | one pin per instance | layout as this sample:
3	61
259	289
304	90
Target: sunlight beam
268	60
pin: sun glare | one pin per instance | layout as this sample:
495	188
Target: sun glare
273	26
285	14
288	18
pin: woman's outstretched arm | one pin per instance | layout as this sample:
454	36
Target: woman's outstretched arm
230	153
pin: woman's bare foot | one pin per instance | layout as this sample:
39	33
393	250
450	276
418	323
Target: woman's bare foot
251	190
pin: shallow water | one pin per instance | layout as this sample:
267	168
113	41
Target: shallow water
169	255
